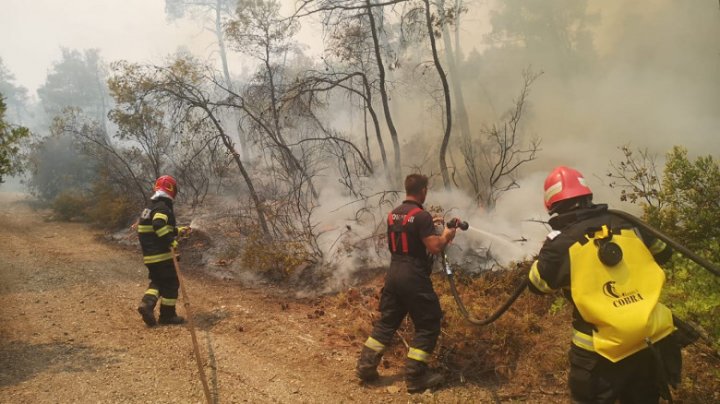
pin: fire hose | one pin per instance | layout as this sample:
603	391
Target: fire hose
196	349
672	243
456	223
469	317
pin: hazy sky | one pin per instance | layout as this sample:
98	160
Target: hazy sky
661	58
33	31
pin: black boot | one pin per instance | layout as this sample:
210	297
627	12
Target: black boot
367	364
419	378
147	309
168	315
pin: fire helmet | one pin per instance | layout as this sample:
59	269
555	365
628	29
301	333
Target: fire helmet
564	183
167	184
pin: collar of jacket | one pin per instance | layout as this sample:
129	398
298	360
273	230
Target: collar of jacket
168	201
410	201
564	220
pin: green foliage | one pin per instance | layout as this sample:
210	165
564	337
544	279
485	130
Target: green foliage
15	96
77	186
10	139
556	34
691	215
557	305
685	206
77	80
56	165
692	208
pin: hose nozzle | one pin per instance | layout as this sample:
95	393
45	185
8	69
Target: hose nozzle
457	224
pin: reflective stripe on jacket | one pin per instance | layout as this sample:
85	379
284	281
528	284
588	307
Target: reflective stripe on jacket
156	231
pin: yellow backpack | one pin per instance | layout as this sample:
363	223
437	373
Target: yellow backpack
620	300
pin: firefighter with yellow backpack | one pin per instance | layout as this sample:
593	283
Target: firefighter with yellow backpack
158	234
623	346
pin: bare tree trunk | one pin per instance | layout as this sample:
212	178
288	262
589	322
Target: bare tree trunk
221	44
376	121
248	181
294	163
383	92
365	132
458	50
446	93
452	58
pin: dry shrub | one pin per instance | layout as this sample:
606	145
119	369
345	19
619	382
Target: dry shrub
103	206
524	350
110	209
69	205
701	375
276	259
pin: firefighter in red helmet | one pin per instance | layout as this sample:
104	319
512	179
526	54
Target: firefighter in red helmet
157	233
623	346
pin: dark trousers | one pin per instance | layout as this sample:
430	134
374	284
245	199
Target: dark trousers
408	290
164	278
635	379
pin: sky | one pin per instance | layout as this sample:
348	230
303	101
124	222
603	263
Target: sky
33	33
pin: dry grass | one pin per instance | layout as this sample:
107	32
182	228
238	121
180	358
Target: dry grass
523	353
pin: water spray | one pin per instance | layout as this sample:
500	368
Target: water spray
462	225
495	237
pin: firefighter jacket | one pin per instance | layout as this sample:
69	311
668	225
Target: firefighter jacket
157	231
408	225
615	302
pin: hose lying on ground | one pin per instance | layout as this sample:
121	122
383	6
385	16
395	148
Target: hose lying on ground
469	317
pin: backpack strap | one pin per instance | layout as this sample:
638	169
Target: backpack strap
395	227
403	235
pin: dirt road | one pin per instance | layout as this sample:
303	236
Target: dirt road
69	331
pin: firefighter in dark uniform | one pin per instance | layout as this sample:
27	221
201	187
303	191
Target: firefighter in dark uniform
623	347
408	289
157	233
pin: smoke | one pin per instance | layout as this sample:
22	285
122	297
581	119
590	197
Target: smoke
352	228
638	73
13	184
647	77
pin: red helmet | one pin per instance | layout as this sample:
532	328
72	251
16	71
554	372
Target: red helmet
564	183
167	184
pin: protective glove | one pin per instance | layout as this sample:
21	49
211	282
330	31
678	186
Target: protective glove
184	231
174	244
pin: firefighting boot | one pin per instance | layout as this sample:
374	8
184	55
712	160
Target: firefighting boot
168	315
147	309
418	377
367	364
